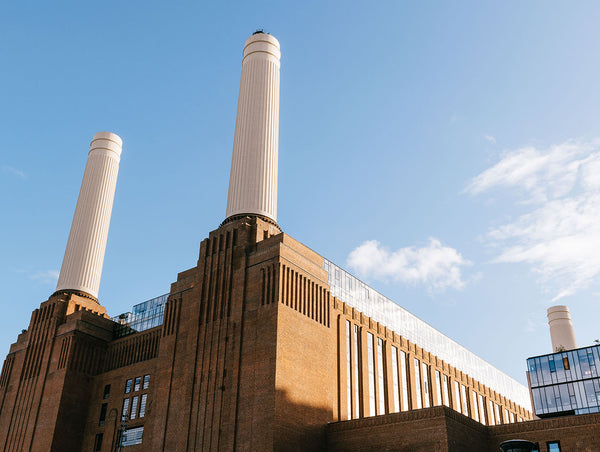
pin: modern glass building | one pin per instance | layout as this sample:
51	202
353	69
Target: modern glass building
566	382
143	316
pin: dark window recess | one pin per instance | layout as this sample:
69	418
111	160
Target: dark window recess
106	392
128	386
103	414
98	443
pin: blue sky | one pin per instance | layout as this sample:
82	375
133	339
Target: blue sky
446	153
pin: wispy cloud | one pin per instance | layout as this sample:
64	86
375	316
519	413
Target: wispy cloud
559	234
10	170
45	277
490	138
435	266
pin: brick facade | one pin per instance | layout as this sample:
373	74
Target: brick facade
251	355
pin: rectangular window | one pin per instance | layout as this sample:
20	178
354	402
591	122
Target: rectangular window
497	411
438	388
475	410
106	392
553	446
102	414
551	365
482	418
491	411
456	396
395	380
445	391
98	442
143	405
134	407
125	410
349	367
371	369
381	376
465	407
418	384
146	382
426	402
138	382
405	380
128	386
565	361
505	416
356	380
132	436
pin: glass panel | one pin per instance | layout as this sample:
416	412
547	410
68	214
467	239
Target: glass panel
482	418
143	316
380	376
438	388
465	407
132	436
475	409
134	407
371	369
395	379
143	405
349	367
356	367
456	396
426	402
445	391
405	381
418	384
128	386
125	410
146	382
381	309
138	382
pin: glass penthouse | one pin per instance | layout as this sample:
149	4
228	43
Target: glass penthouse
565	382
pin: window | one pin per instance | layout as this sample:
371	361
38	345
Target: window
405	380
132	436
465	408
456	396
134	406
425	385
102	413
146	382
380	379
128	386
475	409
348	367
138	382
418	384
551	365
143	405
482	410
565	361
445	391
356	380
395	380
106	392
371	368
438	388
125	410
553	446
98	442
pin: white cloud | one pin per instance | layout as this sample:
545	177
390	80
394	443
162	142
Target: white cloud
16	172
490	138
45	277
435	266
559	234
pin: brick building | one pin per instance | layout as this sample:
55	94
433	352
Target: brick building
263	345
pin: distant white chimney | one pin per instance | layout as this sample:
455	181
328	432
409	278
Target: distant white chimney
561	328
82	265
253	177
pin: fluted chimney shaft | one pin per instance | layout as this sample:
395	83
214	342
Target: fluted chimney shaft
82	264
253	178
561	328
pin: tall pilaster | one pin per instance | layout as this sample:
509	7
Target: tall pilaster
253	178
82	264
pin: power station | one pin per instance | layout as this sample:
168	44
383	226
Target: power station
264	345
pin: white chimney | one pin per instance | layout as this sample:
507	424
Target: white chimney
561	328
253	178
82	265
